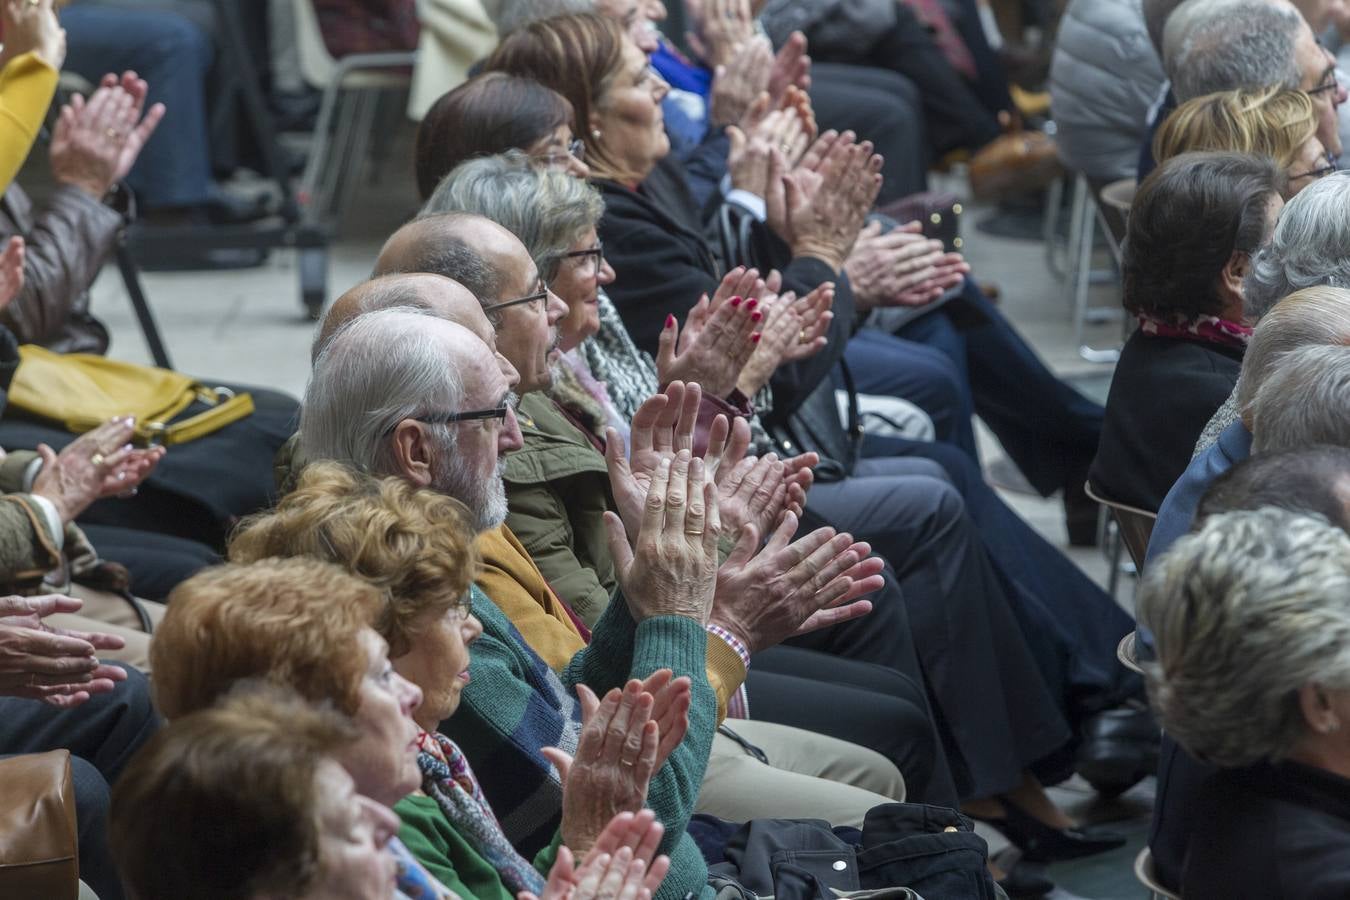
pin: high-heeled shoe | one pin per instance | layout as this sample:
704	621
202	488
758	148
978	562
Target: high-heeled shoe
1041	843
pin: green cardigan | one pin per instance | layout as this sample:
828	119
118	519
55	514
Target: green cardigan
428	834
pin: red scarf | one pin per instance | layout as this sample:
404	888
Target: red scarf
1211	329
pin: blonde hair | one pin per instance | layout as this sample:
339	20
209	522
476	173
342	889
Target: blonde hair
292	622
414	546
1272	122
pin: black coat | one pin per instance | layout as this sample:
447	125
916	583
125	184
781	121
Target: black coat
1162	395
1271	832
654	240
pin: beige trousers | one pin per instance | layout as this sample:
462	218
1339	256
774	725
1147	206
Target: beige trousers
809	776
111	614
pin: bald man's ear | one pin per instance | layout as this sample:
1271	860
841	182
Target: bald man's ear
413	452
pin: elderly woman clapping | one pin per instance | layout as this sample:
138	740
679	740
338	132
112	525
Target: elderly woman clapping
307	625
414	547
1251	616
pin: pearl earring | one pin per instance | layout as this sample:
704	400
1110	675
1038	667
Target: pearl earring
595	133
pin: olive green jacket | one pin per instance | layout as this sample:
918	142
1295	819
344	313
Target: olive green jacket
557	489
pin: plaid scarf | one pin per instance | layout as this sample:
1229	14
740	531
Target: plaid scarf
447	778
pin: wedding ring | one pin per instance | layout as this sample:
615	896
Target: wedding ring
97	459
801	336
626	762
693	533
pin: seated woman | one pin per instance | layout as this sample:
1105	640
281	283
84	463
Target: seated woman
1275	123
1194	225
301	830
308	625
1251	618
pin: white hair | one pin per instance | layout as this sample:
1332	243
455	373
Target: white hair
1304	401
1310	246
1234	45
378	369
1312	317
1244	613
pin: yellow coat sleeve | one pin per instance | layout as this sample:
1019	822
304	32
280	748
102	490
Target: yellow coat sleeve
27	85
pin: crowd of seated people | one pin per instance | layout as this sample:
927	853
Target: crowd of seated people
574	574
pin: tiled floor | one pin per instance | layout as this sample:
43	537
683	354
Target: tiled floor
248	326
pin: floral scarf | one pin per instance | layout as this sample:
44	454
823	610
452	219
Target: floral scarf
447	778
1210	329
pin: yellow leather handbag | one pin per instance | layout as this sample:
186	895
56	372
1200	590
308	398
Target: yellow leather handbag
81	391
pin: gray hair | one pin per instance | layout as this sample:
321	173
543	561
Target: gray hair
1244	44
1305	401
381	292
378	369
1310	246
508	15
1316	316
1245	612
548	211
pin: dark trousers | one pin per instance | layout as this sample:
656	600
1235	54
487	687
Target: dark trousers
157	562
993	709
869	705
1180	777
991	81
880	106
102	736
954	117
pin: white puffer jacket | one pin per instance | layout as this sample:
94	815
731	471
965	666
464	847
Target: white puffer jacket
1104	77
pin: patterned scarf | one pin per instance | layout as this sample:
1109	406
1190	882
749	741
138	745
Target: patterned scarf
1210	329
447	778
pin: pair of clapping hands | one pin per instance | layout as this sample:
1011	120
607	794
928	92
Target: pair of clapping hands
673	506
735	340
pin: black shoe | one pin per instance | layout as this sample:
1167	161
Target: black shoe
1041	843
1119	749
1080	514
1021	884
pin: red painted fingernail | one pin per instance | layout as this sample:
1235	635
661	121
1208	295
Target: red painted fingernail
735	301
752	304
756	316
754	338
670	321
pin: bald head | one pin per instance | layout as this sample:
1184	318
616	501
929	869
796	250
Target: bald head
457	245
436	294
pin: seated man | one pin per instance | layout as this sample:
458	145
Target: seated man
205	483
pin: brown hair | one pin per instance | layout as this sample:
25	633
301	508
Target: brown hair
1273	122
577	56
484	116
414	545
223	803
294	622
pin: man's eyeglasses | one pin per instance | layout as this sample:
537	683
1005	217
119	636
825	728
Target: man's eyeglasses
541	294
497	412
555	159
1328	84
596	255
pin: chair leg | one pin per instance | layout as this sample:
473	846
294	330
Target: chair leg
320	147
340	156
368	104
1054	199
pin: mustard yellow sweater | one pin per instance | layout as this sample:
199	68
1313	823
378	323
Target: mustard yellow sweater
27	85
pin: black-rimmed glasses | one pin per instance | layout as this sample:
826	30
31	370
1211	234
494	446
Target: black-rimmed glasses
497	412
541	294
596	255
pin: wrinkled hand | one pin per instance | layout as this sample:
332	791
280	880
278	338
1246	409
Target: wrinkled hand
786	589
737	85
99	463
901	268
616	757
715	344
32	27
54	665
96	142
721	28
11	271
671	568
662	426
826	197
794	329
616	868
791	68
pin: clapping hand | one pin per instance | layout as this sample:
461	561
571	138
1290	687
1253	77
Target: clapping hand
96	142
901	267
625	739
54	665
718	337
617	866
99	463
32	26
790	587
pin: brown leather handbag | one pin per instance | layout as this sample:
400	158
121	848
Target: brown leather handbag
38	851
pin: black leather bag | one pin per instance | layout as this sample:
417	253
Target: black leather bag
938	212
815	426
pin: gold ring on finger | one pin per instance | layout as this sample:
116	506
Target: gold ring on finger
97	459
627	762
693	533
113	134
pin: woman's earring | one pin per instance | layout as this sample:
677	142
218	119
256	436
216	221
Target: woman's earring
595	133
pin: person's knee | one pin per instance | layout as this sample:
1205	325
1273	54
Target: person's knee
177	40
